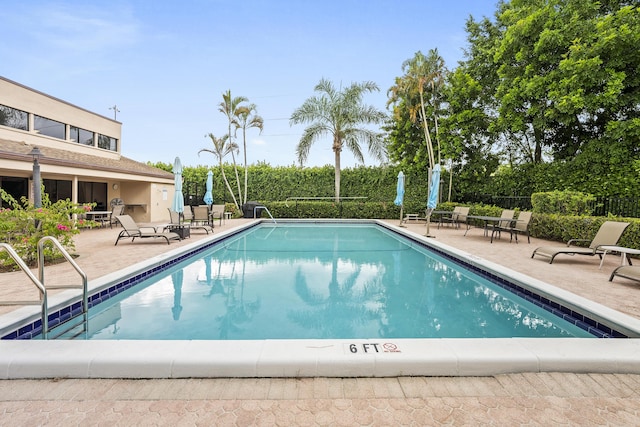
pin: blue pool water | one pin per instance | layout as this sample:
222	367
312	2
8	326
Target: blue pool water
320	281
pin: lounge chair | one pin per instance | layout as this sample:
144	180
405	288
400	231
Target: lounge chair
627	271
133	230
608	234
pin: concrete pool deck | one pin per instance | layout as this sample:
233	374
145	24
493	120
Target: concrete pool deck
537	398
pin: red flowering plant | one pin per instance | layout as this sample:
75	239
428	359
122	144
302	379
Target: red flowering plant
22	226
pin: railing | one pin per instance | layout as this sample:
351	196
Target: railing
264	208
40	284
42	302
82	286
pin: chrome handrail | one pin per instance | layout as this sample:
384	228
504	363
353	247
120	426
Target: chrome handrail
42	302
83	285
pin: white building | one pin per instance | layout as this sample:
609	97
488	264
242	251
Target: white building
81	158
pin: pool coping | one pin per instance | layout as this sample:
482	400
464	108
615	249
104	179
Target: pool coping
326	358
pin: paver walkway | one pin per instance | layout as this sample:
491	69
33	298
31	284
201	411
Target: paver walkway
505	400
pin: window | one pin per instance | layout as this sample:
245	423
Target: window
49	127
57	189
107	142
81	136
13	118
93	192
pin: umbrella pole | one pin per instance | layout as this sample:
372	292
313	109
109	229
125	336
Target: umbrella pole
401	209
428	223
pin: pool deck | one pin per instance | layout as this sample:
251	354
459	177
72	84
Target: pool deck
509	399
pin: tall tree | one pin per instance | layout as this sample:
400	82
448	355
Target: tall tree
340	114
247	117
221	148
230	107
422	79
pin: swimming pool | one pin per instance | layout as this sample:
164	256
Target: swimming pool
323	281
328	357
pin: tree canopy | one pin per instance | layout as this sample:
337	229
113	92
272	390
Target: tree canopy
545	82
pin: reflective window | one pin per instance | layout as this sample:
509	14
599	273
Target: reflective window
81	136
49	127
107	142
11	117
57	189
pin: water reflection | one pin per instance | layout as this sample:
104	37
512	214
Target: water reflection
333	282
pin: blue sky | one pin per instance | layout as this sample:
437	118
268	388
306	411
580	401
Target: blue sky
165	65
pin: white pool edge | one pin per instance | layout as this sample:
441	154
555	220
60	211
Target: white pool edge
22	359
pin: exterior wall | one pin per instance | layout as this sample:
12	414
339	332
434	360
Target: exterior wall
31	101
147	195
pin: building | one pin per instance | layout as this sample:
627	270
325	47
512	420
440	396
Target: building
80	156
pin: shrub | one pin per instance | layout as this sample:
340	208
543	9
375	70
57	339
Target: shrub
562	202
23	225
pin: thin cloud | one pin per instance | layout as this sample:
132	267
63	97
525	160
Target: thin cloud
81	30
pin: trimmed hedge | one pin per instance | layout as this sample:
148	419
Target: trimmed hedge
556	227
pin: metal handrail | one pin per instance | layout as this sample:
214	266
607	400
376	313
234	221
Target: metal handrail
83	286
266	209
42	302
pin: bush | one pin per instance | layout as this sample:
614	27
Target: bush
562	202
22	226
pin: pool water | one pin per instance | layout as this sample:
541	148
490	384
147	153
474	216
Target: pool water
320	281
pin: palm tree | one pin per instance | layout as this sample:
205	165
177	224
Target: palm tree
247	117
230	107
421	74
338	113
221	148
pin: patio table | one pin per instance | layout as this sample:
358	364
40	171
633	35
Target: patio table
624	253
100	216
486	220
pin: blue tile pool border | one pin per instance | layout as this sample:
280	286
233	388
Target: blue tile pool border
597	329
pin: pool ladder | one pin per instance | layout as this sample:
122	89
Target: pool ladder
266	209
39	282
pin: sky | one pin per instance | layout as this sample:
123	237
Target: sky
165	65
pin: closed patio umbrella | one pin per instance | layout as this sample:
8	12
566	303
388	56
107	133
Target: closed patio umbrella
178	198
432	200
400	194
208	196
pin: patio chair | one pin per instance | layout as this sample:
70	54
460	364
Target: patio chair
627	271
217	211
176	225
201	218
116	211
133	230
608	235
501	226
521	226
457	217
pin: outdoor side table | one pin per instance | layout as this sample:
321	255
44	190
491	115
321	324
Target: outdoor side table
624	253
181	230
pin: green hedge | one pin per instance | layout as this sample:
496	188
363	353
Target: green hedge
555	227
